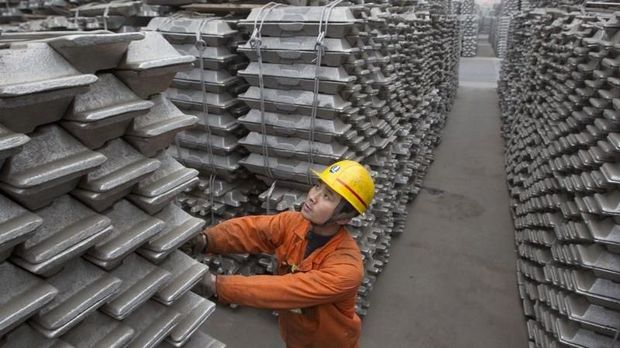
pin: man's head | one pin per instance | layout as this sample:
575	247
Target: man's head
344	190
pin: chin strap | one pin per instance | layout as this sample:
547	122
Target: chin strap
337	215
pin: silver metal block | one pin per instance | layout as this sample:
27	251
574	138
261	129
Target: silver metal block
99	331
295	101
180	227
22	295
156	130
300	50
298	126
40	95
10	143
104	112
25	336
214	58
186	271
193	99
218	81
132	227
214	31
150	65
92	52
152	323
49	166
295	148
67	225
302	21
141	280
82	288
195	310
298	76
16	225
102	187
200	140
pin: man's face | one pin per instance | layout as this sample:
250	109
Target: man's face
320	204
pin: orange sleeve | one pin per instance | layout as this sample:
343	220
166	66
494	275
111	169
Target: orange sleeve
332	282
248	234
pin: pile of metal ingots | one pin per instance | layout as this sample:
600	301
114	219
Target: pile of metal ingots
560	98
501	24
271	111
63	15
89	231
469	29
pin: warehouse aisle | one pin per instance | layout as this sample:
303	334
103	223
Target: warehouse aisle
451	281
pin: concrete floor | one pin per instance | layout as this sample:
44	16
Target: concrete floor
451	280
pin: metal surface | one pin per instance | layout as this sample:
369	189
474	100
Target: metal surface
296	101
26	336
214	58
132	227
214	31
82	288
68	229
192	99
563	180
141	280
152	323
10	143
99	331
32	97
218	81
199	340
102	286
303	21
187	272
180	227
104	112
102	187
23	295
90	53
300	50
156	130
195	310
150	64
49	166
16	225
298	76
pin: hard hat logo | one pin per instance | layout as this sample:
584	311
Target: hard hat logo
334	169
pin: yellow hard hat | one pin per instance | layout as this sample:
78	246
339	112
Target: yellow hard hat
351	181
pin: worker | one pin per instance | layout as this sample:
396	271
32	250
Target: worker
319	264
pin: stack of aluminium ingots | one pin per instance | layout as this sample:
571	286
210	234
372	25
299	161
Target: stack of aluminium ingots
89	230
314	99
352	92
499	37
209	91
365	53
62	15
561	99
469	29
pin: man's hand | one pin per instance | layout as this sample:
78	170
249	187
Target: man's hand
196	246
206	287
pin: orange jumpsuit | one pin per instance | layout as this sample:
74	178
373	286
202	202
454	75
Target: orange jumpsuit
323	285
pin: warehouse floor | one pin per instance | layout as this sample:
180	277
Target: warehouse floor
451	281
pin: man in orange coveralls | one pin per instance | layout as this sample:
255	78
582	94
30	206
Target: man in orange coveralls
319	264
